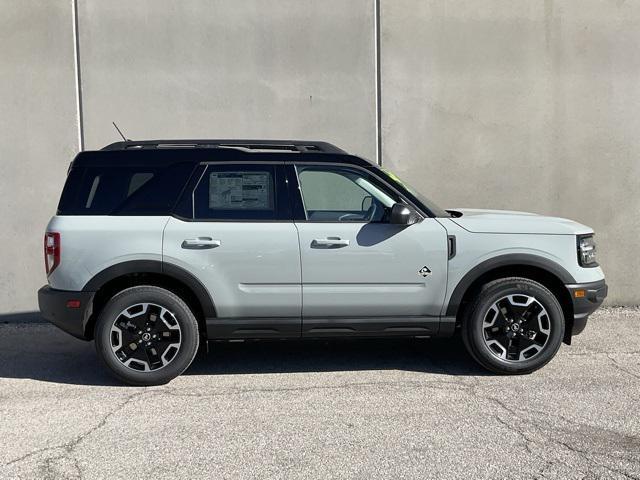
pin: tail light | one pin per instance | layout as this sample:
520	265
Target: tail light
51	251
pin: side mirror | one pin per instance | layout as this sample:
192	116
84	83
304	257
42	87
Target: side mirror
401	215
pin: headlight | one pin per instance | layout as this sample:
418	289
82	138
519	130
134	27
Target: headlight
587	251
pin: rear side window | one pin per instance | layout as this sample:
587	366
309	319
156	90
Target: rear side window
240	192
130	190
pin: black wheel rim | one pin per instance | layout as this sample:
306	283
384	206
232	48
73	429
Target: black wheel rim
145	337
516	328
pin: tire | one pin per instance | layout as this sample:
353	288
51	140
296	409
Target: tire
146	335
493	339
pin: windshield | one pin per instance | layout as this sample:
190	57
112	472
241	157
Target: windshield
417	196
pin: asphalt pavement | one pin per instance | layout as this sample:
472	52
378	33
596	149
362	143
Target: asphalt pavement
324	409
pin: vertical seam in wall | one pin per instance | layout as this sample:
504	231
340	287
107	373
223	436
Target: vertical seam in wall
76	60
378	81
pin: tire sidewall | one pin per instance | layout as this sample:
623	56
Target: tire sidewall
493	293
147	294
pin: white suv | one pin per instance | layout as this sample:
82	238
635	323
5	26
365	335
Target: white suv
158	246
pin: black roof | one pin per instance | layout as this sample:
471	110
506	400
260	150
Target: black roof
168	152
298	146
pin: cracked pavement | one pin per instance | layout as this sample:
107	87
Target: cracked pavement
324	409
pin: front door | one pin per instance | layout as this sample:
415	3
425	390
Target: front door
242	245
362	275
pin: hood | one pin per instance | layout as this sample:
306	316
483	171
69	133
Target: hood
506	221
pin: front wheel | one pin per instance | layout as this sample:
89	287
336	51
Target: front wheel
146	335
514	326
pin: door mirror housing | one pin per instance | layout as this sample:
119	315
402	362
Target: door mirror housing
402	215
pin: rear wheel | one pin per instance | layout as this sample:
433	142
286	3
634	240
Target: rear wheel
146	335
514	326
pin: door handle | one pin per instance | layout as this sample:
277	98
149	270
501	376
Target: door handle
200	243
329	242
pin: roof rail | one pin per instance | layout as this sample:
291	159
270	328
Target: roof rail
296	146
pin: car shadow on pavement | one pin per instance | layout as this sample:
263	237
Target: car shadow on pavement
437	356
42	352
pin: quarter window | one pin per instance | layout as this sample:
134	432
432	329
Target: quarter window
138	180
106	190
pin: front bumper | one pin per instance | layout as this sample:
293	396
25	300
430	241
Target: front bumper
586	298
55	308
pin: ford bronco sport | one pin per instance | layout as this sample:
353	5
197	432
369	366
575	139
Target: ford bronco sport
158	246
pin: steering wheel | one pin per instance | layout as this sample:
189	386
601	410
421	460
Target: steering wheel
373	210
368	216
350	216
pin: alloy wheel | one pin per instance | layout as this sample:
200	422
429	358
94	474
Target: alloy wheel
516	328
145	337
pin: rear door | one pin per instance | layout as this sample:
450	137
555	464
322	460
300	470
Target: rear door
362	275
241	243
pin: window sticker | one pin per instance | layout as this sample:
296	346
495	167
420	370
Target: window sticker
240	191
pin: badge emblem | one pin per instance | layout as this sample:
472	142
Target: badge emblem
424	271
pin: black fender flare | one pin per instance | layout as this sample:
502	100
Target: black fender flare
157	267
507	260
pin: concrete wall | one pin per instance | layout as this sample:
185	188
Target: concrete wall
229	69
38	137
496	104
524	106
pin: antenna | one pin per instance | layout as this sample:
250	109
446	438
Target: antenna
123	137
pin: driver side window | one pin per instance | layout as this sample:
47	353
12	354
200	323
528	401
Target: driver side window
343	194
